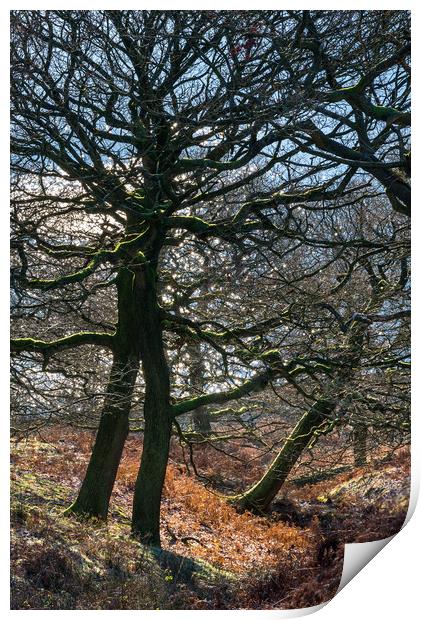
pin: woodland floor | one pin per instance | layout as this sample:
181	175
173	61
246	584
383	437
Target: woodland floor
214	557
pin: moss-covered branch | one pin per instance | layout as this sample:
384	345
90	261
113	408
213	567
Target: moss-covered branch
224	230
68	342
277	199
194	330
98	257
391	181
353	96
259	382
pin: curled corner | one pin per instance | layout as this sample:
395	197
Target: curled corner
358	555
294	613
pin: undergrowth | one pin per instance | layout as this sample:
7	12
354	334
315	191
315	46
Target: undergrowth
213	557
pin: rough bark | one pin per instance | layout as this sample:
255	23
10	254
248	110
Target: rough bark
95	492
201	422
158	420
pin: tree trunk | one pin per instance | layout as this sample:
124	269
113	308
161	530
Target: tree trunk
359	436
201	421
95	492
97	486
200	416
150	480
258	497
158	421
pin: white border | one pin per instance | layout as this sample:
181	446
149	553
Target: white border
388	585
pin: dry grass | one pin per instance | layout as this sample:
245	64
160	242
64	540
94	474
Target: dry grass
291	558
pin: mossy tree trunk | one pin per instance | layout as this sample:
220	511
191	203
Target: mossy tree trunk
259	496
201	422
95	492
151	476
158	420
